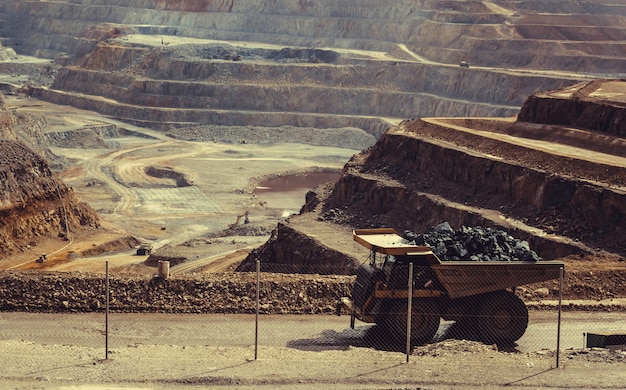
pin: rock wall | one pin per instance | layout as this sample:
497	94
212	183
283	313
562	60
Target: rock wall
214	293
580	112
513	35
275	94
33	203
310	257
371	87
414	183
410	69
380	204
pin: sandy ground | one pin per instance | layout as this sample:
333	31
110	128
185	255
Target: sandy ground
68	351
155	210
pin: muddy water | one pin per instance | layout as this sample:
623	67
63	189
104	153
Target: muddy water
287	192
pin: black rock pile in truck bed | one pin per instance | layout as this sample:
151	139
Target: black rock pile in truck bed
473	244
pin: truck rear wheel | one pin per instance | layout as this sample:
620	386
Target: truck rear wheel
502	318
424	321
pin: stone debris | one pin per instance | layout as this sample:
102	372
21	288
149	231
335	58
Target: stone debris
206	293
345	137
453	347
473	244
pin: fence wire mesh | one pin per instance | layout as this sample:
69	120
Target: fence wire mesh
456	309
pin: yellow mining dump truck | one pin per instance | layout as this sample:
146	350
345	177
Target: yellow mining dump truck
477	295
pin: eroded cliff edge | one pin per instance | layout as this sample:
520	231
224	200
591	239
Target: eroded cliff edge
34	203
561	189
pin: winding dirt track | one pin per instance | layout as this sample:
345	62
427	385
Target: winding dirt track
220	262
122	173
156	210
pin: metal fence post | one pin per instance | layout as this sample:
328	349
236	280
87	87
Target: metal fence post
558	332
409	311
256	329
106	316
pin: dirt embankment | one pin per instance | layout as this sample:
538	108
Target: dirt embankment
589	106
413	183
35	204
235	292
409	179
121	63
562	199
567	202
279	254
209	293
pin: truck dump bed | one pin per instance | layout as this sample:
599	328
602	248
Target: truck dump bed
461	278
465	278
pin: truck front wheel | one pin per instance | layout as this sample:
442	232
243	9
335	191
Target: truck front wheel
502	318
424	321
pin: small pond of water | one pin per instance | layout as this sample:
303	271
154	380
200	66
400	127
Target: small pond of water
287	192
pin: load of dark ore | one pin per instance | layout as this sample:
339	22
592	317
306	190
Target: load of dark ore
473	244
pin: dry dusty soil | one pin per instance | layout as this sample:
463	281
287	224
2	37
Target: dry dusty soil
162	351
176	351
155	210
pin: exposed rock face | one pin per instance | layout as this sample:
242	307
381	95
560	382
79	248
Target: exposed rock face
590	105
140	89
279	254
393	60
512	34
419	174
413	183
33	203
559	189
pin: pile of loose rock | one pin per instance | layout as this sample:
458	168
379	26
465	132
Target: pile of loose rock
345	137
212	293
473	244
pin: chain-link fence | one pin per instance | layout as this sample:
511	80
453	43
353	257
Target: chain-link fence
506	307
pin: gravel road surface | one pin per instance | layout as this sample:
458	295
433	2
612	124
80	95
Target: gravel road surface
165	351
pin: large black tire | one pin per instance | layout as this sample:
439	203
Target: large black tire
424	321
502	318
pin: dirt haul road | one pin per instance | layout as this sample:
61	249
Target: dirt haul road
62	351
219	178
115	183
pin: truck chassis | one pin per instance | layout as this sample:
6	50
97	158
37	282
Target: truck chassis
477	295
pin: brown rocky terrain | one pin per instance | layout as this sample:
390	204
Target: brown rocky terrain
167	116
325	65
212	72
35	205
558	188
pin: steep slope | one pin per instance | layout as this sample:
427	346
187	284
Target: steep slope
34	204
360	64
562	189
598	106
511	33
325	64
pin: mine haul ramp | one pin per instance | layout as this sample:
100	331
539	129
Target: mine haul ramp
477	295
